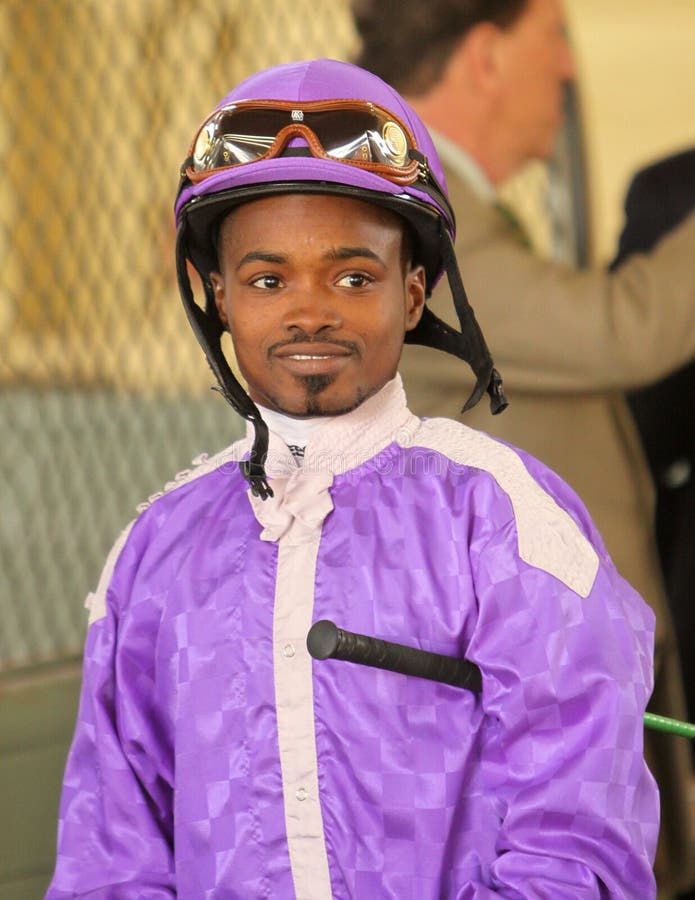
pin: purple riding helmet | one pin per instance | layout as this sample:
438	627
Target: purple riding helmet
323	127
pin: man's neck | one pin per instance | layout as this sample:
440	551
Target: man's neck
472	129
454	157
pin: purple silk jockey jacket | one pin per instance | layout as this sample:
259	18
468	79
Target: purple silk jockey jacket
213	758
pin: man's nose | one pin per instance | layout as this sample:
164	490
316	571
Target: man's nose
313	311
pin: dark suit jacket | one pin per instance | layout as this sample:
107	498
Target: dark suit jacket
658	198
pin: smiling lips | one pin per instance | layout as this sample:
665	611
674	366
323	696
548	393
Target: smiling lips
313	357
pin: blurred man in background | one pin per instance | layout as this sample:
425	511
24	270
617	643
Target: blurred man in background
488	78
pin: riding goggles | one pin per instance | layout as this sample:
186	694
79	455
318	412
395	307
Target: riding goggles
355	132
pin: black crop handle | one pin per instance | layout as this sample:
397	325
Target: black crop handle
326	641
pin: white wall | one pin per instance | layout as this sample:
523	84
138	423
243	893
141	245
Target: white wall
636	63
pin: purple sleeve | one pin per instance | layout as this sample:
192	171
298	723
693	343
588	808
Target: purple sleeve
566	682
114	833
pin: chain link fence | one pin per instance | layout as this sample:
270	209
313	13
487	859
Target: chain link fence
104	393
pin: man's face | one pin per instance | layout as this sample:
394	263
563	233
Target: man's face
317	297
535	62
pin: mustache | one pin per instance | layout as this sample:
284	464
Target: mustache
301	337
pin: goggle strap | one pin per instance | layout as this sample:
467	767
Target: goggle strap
208	331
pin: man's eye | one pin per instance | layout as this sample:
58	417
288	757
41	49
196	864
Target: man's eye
266	282
354	280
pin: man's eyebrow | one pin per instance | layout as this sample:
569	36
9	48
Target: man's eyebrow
261	256
338	253
334	254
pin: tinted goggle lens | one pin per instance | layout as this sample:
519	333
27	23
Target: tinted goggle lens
238	134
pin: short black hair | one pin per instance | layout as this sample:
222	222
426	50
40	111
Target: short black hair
408	42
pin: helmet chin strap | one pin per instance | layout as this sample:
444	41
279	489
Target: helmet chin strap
208	330
467	344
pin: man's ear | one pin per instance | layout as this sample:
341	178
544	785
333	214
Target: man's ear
416	290
217	282
483	49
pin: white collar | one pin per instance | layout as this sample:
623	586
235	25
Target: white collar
296	433
341	443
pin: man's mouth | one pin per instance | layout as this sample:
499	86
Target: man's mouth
313	355
309	350
307	359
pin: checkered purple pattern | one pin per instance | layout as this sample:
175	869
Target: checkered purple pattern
536	790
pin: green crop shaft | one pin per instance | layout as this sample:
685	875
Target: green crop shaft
674	726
